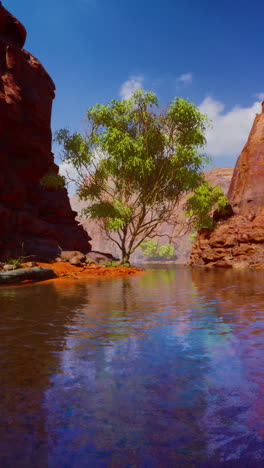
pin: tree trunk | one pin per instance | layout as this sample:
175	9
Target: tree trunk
125	257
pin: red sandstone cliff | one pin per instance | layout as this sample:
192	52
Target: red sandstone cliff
239	240
183	245
33	220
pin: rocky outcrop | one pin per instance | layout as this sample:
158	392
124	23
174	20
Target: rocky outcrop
33	219
182	244
239	240
26	274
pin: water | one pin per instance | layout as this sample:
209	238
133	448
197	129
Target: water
165	369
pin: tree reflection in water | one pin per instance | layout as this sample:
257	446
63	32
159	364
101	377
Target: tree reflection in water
160	368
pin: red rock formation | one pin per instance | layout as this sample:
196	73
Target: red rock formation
33	220
239	240
183	245
246	192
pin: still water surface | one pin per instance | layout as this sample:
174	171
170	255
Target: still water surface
165	369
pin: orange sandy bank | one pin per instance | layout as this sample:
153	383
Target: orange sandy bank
65	269
65	272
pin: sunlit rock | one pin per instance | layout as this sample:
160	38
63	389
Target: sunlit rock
34	219
242	234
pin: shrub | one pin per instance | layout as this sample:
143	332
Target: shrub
150	248
52	180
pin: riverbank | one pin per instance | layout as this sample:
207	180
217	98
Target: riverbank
65	270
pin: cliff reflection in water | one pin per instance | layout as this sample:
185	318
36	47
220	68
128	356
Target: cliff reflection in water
34	324
237	298
164	367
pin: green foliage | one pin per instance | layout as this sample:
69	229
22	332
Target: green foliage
150	248
166	250
192	237
116	263
202	202
135	163
52	180
17	262
115	214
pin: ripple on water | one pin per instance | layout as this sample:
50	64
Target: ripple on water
162	369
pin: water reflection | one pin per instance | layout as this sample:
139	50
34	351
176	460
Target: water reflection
163	369
34	324
236	377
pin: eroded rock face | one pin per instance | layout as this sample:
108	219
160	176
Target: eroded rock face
33	220
239	240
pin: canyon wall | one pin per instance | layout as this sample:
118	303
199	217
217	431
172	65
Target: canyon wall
182	244
34	219
238	241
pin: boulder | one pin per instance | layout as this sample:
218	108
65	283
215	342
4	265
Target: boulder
9	267
99	257
34	219
36	274
73	257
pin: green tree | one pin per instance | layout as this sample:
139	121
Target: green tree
135	163
167	251
151	249
200	204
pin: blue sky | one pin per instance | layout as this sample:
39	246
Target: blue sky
208	51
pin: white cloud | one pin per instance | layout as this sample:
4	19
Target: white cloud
186	78
67	170
260	96
130	86
230	129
